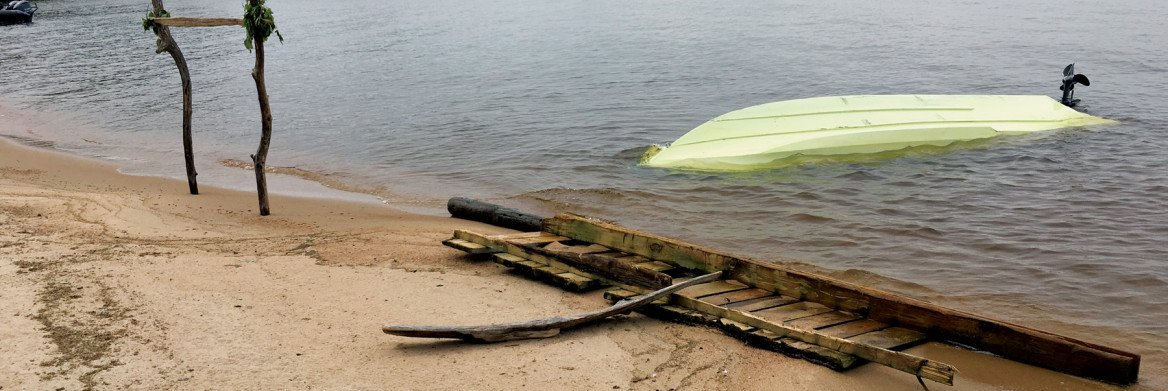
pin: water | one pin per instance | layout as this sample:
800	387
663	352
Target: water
548	106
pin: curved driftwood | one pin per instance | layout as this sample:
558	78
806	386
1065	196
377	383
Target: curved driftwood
170	46
542	328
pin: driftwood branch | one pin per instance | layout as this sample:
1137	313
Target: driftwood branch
542	328
259	160
198	22
168	45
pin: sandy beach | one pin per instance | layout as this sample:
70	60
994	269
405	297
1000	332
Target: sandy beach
110	281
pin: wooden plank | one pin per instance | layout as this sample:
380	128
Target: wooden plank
472	248
635	259
609	267
890	338
1012	341
579	283
646	262
655	265
638	243
760	303
713	288
853	328
536	240
525	235
823	320
820	355
522	252
791	311
736	296
198	22
589	249
618	294
507	260
550	274
924	368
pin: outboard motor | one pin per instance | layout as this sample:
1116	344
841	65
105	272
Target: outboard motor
1068	87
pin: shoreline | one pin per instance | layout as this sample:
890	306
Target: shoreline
118	281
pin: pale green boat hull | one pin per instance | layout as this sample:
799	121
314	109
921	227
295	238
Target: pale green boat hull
842	125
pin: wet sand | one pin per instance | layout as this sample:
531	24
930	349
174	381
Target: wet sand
110	281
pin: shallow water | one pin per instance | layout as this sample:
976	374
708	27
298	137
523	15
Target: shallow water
548	106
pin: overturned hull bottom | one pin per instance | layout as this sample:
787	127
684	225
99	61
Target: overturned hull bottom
771	134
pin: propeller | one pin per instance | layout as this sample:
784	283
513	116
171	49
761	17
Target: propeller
1070	78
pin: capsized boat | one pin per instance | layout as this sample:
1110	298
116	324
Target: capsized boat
840	125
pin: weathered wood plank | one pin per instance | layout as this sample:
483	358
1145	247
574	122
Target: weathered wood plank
199	22
760	303
609	267
890	338
1012	341
658	266
468	247
541	328
736	296
523	252
853	328
924	368
820	355
638	243
791	311
524	235
618	294
713	288
823	320
507	260
579	283
537	240
635	259
589	249
551	274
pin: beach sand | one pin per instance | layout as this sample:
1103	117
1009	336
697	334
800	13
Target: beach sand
110	281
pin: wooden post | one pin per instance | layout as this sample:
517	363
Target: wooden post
171	47
261	155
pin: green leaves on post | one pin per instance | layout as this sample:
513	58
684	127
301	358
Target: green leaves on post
258	22
148	23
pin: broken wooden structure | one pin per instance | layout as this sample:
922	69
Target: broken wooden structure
259	25
827	321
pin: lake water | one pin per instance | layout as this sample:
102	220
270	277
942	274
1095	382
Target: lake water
547	106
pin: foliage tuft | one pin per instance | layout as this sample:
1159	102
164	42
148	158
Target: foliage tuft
259	22
148	23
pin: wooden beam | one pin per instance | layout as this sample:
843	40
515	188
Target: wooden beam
1009	340
199	22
